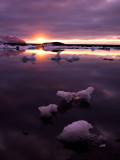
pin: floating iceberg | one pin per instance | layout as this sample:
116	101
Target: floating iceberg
81	95
56	57
79	131
93	49
2	46
76	131
73	58
47	111
29	58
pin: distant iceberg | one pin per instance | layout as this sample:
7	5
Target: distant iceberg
79	131
73	58
81	95
47	111
93	49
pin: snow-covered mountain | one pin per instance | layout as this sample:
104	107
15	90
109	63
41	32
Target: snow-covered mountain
10	39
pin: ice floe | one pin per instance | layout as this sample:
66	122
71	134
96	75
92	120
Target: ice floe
56	57
79	131
73	58
76	131
47	111
29	58
81	95
93	49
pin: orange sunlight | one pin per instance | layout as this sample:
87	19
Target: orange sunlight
43	38
98	52
37	38
39	52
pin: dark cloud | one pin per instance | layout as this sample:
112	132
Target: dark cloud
60	19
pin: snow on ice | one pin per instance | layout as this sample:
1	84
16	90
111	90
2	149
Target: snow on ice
81	95
79	131
47	111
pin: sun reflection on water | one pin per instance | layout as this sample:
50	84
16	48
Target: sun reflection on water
98	52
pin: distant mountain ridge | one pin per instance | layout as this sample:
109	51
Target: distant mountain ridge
10	39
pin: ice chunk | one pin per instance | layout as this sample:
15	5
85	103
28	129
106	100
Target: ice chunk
81	95
47	111
102	145
29	58
68	96
85	94
93	49
2	46
76	131
56	57
32	57
79	131
73	58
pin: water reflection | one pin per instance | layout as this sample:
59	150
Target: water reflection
63	106
8	53
25	87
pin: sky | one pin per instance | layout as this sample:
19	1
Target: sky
70	21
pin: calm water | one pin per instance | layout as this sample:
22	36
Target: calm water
26	86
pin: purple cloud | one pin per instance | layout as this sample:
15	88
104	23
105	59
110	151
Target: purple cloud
60	19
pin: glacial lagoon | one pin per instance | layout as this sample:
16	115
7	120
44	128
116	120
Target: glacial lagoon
27	85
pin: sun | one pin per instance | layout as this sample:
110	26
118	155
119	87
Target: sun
37	40
40	40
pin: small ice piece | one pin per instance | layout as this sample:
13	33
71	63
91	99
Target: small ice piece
56	57
76	131
79	131
73	58
102	145
81	95
32	57
29	58
93	49
68	96
85	94
47	111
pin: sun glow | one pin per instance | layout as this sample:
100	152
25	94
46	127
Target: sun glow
81	52
38	40
41	40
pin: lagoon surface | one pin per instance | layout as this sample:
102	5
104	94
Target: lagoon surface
24	86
